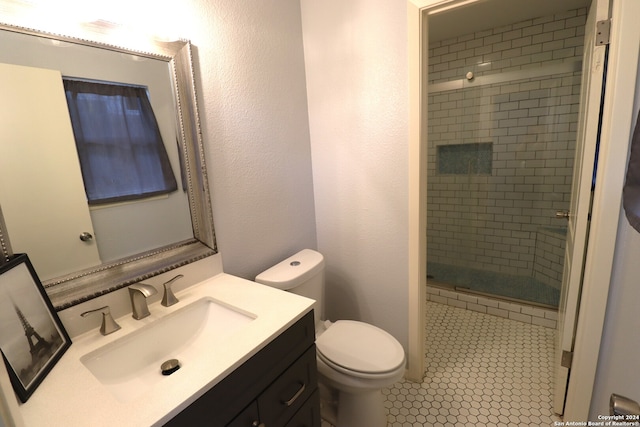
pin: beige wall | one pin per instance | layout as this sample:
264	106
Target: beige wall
357	85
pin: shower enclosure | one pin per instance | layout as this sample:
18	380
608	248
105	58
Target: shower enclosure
502	122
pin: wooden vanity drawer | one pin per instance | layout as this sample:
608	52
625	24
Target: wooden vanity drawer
286	395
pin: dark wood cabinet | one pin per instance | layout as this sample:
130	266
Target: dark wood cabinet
277	387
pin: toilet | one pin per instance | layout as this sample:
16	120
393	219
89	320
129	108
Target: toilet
355	359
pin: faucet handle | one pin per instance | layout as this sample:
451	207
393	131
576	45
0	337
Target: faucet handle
108	324
169	298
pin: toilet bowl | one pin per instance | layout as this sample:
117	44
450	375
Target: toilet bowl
355	359
358	360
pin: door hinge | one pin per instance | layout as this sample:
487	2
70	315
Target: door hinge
603	32
567	358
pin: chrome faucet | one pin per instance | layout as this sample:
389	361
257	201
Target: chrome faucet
139	292
108	324
169	298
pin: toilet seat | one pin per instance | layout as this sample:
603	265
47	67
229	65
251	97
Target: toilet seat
360	350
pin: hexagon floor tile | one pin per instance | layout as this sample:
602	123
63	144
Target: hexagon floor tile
481	370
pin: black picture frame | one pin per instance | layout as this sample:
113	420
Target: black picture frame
32	338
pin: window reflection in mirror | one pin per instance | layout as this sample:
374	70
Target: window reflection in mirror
121	229
120	148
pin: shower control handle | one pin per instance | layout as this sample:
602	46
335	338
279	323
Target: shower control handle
562	215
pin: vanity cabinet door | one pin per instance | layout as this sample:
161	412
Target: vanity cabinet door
286	395
247	418
309	414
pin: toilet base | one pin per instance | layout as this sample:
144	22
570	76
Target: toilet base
363	409
328	404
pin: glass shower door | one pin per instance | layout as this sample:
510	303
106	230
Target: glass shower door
500	165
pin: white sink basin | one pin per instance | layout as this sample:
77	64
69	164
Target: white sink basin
130	366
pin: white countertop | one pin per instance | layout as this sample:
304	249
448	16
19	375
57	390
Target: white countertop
71	396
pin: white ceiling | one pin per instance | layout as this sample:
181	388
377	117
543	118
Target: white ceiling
485	14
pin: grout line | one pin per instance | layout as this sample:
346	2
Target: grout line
494	306
480	371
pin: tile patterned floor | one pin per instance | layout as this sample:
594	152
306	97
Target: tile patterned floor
481	370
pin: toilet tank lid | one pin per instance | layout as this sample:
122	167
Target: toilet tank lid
293	271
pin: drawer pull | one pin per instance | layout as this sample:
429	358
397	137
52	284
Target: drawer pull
295	396
258	424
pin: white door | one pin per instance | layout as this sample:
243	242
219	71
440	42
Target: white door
41	190
578	217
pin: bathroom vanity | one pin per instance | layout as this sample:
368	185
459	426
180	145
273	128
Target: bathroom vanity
255	366
276	387
246	351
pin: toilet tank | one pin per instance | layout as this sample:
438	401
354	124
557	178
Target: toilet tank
301	274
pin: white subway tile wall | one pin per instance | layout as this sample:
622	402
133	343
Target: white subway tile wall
499	222
531	43
525	313
549	259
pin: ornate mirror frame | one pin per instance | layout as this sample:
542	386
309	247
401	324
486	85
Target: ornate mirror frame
86	284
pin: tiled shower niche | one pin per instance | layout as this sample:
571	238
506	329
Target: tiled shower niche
523	102
465	159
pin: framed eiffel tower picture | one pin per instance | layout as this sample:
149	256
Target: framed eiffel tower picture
32	338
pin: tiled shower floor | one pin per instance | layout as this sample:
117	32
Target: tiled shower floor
523	288
481	370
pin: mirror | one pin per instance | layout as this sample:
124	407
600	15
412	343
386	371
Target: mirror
166	69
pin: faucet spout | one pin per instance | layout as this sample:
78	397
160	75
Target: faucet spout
139	292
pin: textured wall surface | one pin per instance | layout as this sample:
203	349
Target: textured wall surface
356	64
254	101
